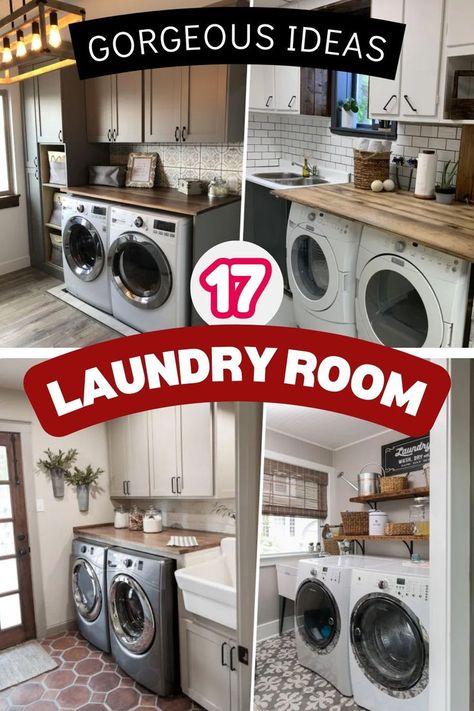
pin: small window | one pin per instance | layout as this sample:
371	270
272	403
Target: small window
347	85
288	534
6	164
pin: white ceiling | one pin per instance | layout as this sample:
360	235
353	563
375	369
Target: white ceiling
326	429
12	371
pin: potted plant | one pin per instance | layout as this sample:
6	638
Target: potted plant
57	466
83	479
445	190
349	110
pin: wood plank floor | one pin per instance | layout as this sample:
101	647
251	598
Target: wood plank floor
32	318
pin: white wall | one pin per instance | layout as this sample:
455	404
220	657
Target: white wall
51	531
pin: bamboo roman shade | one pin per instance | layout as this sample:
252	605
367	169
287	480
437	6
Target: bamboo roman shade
289	490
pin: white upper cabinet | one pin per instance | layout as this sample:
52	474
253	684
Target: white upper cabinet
414	93
460	23
275	89
164	447
197	461
128	456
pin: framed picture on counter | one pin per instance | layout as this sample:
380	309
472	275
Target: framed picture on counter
141	169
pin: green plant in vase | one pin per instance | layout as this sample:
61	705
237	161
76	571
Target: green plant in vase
349	110
445	190
57	466
83	479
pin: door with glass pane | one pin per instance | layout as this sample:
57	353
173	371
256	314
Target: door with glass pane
17	620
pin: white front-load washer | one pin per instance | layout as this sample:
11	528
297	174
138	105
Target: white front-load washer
321	253
389	638
150	263
322	613
85	243
409	295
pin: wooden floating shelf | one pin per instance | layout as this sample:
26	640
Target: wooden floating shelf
380	538
56	186
392	496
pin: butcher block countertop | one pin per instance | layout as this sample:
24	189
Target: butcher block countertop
447	228
166	199
149	542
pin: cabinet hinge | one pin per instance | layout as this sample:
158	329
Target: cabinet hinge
243	655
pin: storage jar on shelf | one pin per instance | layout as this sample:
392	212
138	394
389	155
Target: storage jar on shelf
420	516
135	519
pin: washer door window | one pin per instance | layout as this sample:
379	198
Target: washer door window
317	616
314	270
131	614
398	305
389	644
140	271
83	248
86	590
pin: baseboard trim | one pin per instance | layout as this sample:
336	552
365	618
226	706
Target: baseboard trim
14	265
67	626
272	628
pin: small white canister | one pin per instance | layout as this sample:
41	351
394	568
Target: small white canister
120	518
152	521
377	521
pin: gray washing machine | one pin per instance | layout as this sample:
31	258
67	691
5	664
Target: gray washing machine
143	618
89	591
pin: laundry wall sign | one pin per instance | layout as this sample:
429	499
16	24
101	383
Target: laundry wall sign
406	455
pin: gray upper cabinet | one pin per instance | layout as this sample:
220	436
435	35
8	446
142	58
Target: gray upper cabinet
50	114
199	104
114	108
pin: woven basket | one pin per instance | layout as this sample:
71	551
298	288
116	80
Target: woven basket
398	529
331	547
355	523
369	167
390	484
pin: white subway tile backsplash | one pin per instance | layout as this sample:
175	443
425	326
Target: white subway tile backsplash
447	132
437	143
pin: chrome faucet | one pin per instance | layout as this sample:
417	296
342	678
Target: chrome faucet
313	168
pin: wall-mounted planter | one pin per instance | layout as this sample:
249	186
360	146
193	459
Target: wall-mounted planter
83	497
57	480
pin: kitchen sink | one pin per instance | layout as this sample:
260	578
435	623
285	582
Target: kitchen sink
209	589
303	181
290	179
276	177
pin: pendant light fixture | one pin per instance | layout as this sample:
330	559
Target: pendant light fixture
20	44
7	55
36	43
54	38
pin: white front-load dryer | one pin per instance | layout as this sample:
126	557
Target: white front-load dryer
409	295
322	613
89	591
85	243
389	639
150	262
321	253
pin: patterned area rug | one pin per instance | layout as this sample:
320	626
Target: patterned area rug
24	662
281	684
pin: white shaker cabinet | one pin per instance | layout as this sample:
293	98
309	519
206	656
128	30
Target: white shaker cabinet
164	447
262	88
413	94
211	669
459	23
287	89
275	89
128	456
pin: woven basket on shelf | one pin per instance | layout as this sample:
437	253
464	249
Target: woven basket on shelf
398	529
369	167
390	484
355	523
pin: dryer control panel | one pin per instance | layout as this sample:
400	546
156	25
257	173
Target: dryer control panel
406	587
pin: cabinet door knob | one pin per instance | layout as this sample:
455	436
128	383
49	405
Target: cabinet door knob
394	96
176	134
269	100
183	134
405	96
291	101
223	661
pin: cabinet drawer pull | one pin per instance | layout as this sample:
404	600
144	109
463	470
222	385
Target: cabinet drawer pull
109	134
291	101
232	650
183	134
123	488
394	96
128	487
114	134
405	96
172	485
178	490
269	100
176	134
223	661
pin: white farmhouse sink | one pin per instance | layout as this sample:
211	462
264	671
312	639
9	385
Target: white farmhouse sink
210	588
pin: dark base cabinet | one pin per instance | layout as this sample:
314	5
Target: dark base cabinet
266	218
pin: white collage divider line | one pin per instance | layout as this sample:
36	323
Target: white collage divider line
245	148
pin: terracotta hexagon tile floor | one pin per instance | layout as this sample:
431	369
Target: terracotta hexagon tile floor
85	680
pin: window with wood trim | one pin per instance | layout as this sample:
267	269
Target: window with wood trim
6	161
290	490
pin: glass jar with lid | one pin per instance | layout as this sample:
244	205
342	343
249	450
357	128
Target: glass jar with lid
152	522
135	519
420	516
120	517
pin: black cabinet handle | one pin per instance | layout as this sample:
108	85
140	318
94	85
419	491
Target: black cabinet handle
183	134
405	96
114	134
232	650
394	96
270	98
178	490
223	646
60	136
291	102
109	134
35	161
36	174
128	487
176	134
172	485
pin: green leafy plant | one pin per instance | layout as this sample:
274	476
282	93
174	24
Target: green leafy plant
61	460
349	104
447	178
87	476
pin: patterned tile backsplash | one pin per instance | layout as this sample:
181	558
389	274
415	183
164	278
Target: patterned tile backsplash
199	161
272	137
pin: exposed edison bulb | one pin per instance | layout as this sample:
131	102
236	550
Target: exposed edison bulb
20	44
7	53
54	38
36	43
